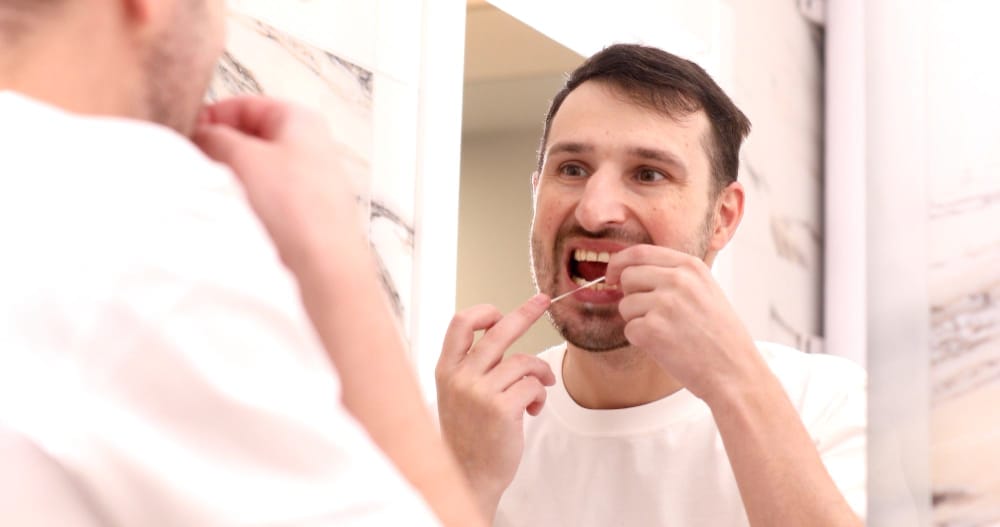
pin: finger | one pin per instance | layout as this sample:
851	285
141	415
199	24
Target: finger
644	278
636	305
204	116
462	332
637	331
224	144
253	115
515	368
489	350
644	254
524	394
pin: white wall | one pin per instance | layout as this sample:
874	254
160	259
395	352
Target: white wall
494	220
933	262
777	252
690	29
895	247
963	259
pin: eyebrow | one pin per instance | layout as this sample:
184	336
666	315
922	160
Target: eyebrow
652	154
658	155
569	148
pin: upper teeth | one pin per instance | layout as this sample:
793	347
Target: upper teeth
582	255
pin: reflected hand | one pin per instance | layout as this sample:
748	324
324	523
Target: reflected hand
482	397
675	311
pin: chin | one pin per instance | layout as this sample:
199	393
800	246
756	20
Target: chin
598	346
592	332
185	119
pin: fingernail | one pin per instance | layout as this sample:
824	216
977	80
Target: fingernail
541	299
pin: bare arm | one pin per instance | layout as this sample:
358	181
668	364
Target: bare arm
359	331
294	180
781	478
678	314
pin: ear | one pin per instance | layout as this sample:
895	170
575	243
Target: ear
728	214
534	188
139	10
144	15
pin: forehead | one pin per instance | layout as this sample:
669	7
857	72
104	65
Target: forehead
602	116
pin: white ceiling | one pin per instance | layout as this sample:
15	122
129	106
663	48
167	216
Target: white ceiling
511	71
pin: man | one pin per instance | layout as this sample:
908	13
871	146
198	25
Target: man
661	410
157	367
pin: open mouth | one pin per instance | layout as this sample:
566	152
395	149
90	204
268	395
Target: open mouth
585	266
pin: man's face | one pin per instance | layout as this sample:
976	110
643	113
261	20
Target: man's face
614	174
180	61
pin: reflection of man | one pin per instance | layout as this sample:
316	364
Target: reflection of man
157	367
661	409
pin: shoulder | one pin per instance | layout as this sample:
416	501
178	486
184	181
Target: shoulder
827	390
48	145
792	366
115	195
113	189
135	220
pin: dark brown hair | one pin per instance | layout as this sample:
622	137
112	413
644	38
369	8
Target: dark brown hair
666	83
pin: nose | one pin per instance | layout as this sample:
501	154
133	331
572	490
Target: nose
602	203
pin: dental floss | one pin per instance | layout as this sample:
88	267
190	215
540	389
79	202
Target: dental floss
584	286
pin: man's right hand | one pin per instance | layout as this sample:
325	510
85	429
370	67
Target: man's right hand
482	397
295	178
297	183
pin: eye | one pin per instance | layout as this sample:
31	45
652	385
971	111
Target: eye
648	175
573	171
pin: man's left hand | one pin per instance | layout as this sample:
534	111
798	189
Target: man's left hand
675	311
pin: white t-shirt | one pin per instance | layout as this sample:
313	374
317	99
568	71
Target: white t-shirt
154	355
663	463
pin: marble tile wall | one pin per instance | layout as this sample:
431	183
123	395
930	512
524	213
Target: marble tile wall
964	265
777	251
261	59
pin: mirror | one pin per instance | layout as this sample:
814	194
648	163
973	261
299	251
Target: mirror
511	73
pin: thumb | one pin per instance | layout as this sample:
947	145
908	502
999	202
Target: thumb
225	145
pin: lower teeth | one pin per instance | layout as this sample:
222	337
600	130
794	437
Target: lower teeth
596	287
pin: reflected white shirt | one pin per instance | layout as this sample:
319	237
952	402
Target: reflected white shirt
663	463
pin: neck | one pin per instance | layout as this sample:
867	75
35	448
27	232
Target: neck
621	378
75	67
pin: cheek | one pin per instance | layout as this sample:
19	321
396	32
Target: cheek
558	206
216	29
543	231
670	222
550	225
549	215
219	40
